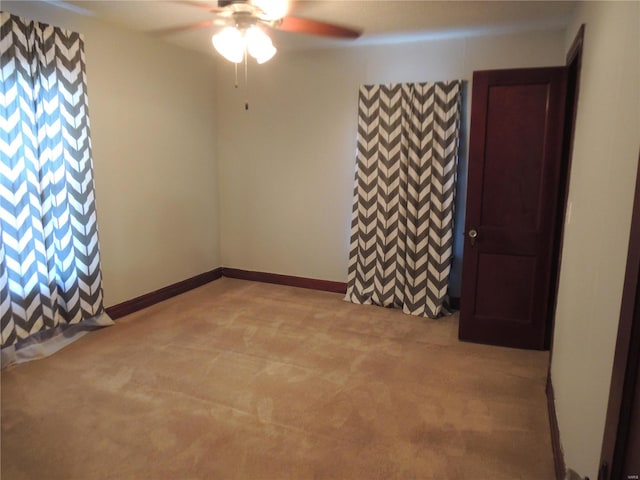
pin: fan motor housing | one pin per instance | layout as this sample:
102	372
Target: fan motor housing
226	3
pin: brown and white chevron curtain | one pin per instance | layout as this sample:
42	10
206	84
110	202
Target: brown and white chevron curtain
49	258
402	223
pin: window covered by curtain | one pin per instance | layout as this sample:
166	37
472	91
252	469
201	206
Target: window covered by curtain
402	223
49	258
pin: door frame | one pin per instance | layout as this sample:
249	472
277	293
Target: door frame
627	357
574	67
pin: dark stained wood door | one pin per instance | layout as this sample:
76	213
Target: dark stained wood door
515	155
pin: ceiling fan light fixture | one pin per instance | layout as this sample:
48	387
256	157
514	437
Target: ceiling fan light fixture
259	44
232	42
267	54
229	43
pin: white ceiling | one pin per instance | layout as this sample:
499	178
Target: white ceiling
380	20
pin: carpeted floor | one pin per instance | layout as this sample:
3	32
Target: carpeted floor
242	380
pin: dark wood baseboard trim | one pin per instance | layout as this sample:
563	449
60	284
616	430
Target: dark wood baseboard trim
291	281
151	298
558	457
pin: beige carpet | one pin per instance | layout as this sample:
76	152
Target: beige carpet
245	380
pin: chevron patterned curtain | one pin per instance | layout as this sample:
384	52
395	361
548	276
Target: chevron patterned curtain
402	223
49	261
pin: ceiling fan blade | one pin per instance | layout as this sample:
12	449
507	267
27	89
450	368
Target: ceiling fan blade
314	27
185	28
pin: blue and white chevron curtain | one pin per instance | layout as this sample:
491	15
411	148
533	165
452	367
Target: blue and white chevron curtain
49	259
402	222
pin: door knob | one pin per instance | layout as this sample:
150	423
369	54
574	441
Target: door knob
473	234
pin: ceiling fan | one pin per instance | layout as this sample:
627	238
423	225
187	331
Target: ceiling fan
245	23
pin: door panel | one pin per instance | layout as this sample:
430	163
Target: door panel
517	122
511	190
495	296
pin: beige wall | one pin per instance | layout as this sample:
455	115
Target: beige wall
605	157
152	110
287	164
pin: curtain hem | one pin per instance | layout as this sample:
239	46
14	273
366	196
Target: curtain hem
48	342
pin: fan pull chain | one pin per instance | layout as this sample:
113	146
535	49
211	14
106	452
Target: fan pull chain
236	69
246	79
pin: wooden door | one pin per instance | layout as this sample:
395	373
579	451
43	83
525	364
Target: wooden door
515	155
620	457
